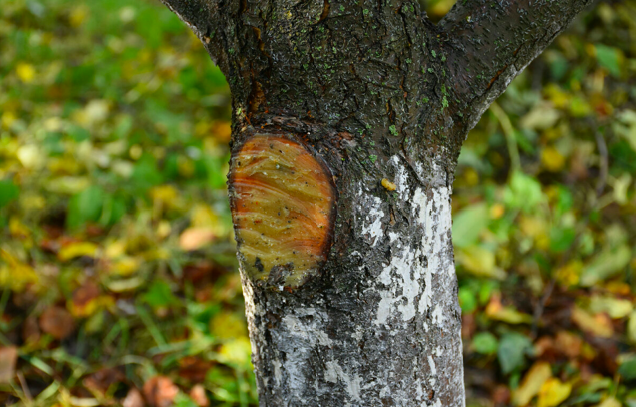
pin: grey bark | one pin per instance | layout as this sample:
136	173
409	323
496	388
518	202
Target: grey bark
379	92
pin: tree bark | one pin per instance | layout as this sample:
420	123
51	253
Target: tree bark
383	99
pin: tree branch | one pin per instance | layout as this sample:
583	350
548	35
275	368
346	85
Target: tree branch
491	41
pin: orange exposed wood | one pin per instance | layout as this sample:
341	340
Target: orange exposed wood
282	207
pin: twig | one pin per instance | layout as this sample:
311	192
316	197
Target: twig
509	132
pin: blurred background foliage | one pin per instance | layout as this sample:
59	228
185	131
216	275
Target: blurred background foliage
118	281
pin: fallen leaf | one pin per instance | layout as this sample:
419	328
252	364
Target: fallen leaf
606	265
193	368
196	238
237	351
552	159
616	308
501	395
631	327
197	394
160	391
538	374
479	261
227	325
553	392
25	72
8	360
599	324
133	399
497	311
541	117
57	322
83	303
103	379
568	344
77	249
222	131
610	402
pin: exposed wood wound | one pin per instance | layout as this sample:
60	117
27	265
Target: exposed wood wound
282	200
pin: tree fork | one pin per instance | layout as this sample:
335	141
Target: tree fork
364	106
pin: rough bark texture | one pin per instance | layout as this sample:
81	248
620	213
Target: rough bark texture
378	92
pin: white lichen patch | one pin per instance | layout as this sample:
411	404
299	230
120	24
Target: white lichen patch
334	372
371	215
434	214
309	331
408	277
402	277
438	315
305	329
401	178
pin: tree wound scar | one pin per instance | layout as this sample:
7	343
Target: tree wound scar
282	200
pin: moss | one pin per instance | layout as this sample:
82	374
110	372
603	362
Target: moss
393	130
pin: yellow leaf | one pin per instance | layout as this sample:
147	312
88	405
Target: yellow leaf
497	311
18	229
471	177
497	211
164	194
222	131
440	8
78	16
541	117
25	72
533	226
115	249
163	229
538	374
569	274
552	159
599	325
479	261
227	325
614	307
31	156
559	98
7	119
553	392
203	215
79	249
126	266
631	327
610	402
537	229
237	351
14	274
510	315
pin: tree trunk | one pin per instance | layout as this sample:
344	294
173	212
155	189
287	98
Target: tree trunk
348	120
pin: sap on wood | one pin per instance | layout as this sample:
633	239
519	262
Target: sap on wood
282	200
